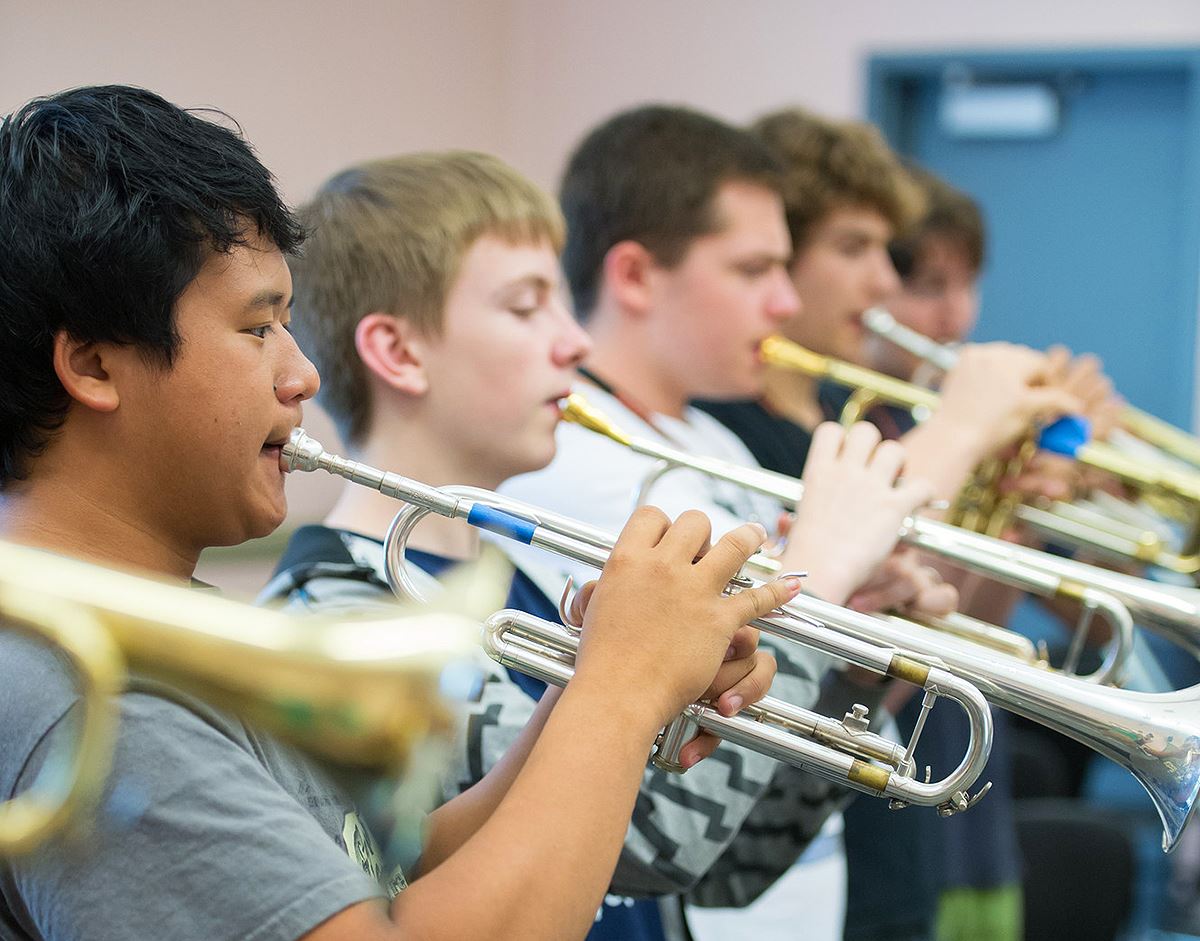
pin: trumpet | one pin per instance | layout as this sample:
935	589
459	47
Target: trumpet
1010	570
1109	531
844	751
363	693
1176	488
1170	610
1168	482
1155	736
1149	428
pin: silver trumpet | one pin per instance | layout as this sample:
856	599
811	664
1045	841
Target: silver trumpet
981	554
1156	736
843	750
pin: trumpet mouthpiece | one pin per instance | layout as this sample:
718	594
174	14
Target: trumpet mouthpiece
301	452
575	409
776	351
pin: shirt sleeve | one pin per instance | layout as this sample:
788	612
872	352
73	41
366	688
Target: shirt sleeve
195	839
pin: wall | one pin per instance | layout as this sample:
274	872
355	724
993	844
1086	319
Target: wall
315	85
572	64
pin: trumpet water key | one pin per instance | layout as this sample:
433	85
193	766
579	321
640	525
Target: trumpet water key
841	750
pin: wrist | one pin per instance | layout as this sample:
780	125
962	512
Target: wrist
964	434
633	707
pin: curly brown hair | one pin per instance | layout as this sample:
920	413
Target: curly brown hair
832	164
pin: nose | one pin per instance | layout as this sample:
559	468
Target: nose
296	378
572	345
959	309
783	302
885	281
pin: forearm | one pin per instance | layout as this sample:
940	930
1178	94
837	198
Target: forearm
540	864
456	821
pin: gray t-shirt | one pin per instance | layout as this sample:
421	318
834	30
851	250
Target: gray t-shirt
208	830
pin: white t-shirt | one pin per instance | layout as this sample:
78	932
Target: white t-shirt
596	480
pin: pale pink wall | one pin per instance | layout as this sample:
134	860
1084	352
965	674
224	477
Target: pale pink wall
315	85
572	64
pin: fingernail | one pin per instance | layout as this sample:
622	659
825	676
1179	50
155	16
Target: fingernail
735	702
793	583
729	652
762	530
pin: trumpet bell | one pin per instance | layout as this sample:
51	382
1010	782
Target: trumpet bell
363	693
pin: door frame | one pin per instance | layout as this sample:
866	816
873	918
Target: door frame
890	77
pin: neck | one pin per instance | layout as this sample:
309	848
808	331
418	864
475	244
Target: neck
794	396
623	356
421	454
55	513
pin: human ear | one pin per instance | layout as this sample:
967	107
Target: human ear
85	370
628	276
393	352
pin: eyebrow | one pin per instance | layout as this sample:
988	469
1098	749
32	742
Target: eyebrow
268	298
534	280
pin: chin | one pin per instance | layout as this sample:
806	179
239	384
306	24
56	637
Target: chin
266	521
533	461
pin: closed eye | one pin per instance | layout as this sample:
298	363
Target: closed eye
259	331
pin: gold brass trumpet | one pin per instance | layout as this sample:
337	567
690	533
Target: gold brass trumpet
1153	480
1166	481
1114	531
841	750
1149	428
362	693
1156	736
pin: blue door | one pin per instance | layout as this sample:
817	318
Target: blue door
1087	167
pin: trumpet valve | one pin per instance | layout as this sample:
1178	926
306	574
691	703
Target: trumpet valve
857	720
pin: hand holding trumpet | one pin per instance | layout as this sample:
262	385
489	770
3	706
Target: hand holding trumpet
659	619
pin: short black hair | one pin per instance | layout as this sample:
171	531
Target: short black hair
650	175
111	200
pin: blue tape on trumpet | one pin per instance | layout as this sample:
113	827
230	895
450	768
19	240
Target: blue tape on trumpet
1065	436
502	523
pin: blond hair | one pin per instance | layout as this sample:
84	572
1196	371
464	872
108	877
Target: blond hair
389	237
